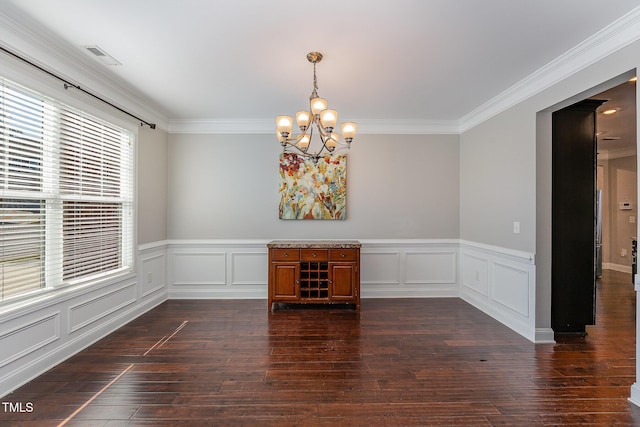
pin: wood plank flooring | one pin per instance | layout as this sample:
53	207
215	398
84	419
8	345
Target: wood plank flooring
399	362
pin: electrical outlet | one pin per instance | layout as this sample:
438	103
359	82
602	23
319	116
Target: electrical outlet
632	219
623	252
516	227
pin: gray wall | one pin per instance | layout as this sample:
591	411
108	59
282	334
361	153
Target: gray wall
152	185
497	174
398	186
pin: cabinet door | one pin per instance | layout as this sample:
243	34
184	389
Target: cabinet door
342	281
285	278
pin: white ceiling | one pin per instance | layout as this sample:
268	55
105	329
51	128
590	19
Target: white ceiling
383	59
617	132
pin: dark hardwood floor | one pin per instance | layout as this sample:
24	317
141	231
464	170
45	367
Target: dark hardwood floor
400	362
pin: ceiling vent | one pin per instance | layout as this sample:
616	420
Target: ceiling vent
101	55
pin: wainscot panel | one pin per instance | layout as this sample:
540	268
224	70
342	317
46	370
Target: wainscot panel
88	312
409	268
224	269
475	273
153	277
28	337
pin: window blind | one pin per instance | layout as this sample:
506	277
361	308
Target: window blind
66	194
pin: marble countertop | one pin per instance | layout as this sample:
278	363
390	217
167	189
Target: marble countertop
314	244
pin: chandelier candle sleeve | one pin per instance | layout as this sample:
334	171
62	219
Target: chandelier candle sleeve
320	117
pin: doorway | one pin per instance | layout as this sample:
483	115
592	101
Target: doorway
612	123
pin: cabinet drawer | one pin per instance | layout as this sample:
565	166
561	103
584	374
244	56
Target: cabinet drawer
285	254
343	254
314	255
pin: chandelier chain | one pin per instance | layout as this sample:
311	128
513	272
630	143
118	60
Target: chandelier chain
315	82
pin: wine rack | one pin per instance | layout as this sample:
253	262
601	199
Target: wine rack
314	280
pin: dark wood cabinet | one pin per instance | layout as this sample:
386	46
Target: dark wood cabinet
573	227
317	272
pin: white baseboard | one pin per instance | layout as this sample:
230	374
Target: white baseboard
616	267
635	394
545	336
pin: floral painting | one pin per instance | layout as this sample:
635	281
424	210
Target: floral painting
311	190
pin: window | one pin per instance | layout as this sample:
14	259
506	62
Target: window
66	194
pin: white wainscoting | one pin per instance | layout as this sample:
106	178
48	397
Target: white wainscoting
39	334
409	268
239	269
501	283
224	269
498	281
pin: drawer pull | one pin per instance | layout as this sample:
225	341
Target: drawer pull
342	255
286	254
314	254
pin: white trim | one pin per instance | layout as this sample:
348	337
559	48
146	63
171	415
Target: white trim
33	41
617	35
545	336
635	394
267	126
616	267
516	255
616	154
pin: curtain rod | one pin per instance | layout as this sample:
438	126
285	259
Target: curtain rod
68	84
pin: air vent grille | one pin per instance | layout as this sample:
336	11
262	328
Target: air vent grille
103	56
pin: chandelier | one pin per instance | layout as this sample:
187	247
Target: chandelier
319	117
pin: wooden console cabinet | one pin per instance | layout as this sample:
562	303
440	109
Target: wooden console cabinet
314	272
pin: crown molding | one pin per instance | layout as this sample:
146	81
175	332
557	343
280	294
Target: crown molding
229	126
617	153
26	38
264	126
617	35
